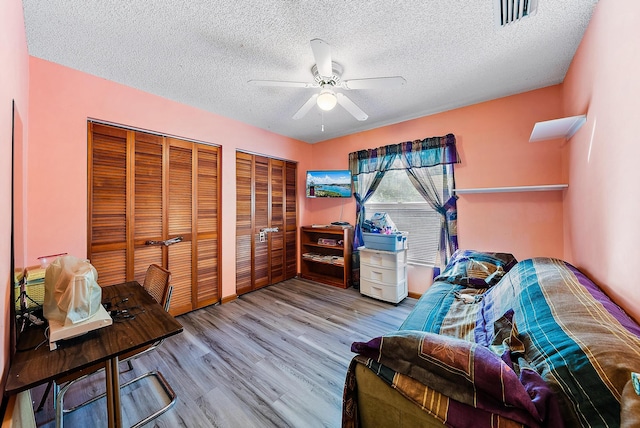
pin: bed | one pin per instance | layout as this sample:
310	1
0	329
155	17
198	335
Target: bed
500	343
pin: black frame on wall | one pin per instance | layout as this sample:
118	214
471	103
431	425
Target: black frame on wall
12	261
12	268
17	235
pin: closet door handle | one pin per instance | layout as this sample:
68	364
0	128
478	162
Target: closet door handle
173	240
167	242
269	229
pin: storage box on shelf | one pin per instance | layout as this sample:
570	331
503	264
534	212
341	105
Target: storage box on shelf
383	274
381	241
326	254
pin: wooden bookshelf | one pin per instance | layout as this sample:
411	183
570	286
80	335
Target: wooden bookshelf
326	254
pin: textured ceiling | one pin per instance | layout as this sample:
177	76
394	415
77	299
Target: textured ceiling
202	53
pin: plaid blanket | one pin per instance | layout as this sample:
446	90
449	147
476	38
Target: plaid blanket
582	344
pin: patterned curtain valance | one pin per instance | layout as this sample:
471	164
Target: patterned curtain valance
430	151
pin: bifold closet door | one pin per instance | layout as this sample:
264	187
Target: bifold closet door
190	223
148	205
244	222
291	221
206	191
108	242
154	199
265	209
276	204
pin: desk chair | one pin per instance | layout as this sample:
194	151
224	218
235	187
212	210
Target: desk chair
157	282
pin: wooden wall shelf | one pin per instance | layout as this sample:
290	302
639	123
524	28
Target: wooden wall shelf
543	188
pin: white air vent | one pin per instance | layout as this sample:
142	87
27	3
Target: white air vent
508	11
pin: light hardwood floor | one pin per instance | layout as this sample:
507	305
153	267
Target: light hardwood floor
276	357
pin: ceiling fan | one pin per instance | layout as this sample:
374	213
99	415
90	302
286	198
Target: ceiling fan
327	76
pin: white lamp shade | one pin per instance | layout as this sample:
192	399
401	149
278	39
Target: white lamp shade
326	100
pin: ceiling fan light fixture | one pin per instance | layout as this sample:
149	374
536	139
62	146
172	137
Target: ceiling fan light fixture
326	100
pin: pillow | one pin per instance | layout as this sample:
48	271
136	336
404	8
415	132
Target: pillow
463	371
476	269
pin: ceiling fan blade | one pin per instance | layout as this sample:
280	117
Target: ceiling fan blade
283	83
322	54
374	83
306	107
349	106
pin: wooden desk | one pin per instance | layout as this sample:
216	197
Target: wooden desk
34	367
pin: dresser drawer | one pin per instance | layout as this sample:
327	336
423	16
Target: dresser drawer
384	275
386	259
388	293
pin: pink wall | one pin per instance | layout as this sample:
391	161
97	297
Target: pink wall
603	202
13	87
493	142
492	139
61	100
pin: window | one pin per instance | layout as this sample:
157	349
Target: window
410	212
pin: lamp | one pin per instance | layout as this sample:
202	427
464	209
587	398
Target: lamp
326	100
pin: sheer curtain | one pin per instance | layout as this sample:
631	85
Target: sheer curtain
424	160
429	166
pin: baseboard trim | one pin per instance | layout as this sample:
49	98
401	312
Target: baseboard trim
228	299
414	295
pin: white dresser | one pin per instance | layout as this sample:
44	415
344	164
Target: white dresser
383	274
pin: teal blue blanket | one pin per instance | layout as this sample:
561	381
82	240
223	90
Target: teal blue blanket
545	315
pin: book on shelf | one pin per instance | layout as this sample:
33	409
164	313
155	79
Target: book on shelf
334	225
335	260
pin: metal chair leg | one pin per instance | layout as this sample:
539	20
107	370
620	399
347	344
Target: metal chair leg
58	394
44	396
167	389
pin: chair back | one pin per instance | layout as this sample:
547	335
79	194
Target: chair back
157	282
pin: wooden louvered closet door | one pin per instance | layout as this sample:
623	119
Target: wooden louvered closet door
149	205
291	221
276	205
244	221
265	201
146	189
260	221
206	226
108	203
